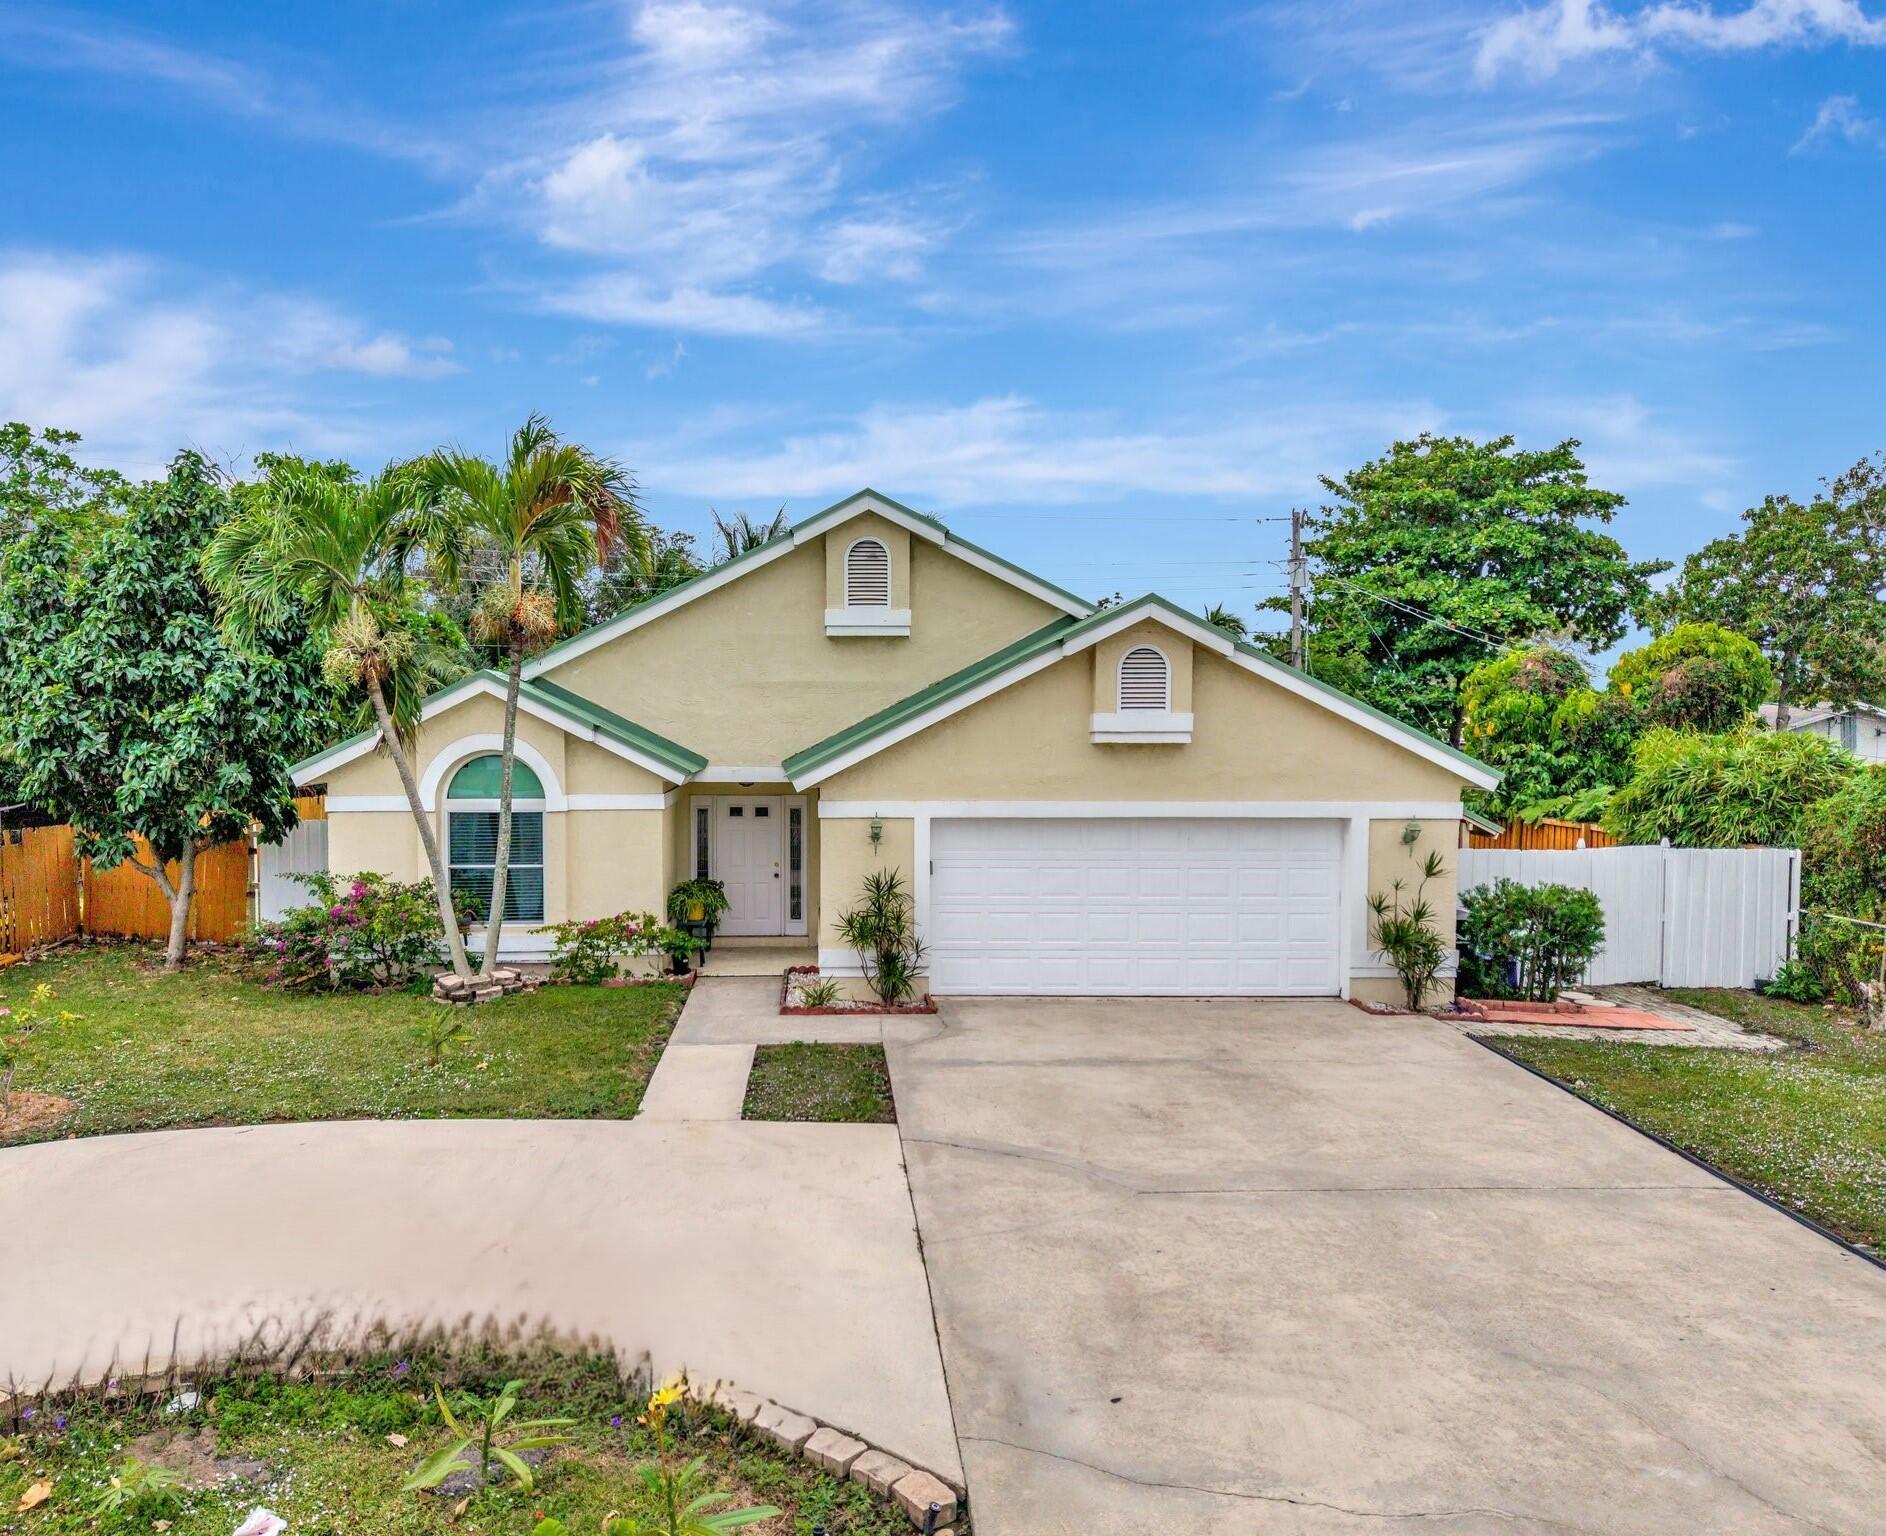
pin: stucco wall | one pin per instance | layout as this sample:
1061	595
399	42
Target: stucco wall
748	676
1252	740
1178	652
846	856
1391	859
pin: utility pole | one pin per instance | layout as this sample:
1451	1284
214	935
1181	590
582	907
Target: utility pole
1296	588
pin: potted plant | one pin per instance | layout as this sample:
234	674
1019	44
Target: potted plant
697	905
678	944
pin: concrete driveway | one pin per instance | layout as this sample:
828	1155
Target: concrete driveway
1284	1267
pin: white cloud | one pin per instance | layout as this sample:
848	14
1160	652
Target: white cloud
720	152
1538	41
1840	117
1627	446
97	345
1007	448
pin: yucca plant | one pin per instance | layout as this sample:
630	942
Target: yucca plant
476	1449
883	929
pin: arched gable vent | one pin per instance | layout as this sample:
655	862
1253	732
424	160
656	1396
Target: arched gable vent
867	575
1145	679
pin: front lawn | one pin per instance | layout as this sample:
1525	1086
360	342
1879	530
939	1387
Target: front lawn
826	1083
207	1047
330	1460
1806	1125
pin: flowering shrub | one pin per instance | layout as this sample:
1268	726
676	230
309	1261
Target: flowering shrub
588	951
367	932
16	1026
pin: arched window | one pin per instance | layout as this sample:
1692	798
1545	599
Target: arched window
867	575
471	833
1145	679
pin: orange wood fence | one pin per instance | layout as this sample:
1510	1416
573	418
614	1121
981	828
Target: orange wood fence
48	893
1544	834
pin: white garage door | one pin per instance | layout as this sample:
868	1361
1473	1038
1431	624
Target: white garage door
1187	908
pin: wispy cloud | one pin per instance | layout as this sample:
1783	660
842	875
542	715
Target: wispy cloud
102	345
1539	41
1840	117
1009	448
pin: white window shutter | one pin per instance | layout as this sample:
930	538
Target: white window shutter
1145	679
867	575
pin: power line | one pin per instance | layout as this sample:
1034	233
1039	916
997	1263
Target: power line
1420	613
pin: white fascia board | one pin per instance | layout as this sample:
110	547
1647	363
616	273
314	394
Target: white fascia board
1200	633
1036	589
820	524
319	768
737	773
654	608
1255	810
571	726
929	717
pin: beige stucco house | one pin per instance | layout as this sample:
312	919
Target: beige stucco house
1119	800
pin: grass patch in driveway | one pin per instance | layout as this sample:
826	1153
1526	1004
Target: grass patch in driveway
1806	1125
207	1047
826	1083
329	1459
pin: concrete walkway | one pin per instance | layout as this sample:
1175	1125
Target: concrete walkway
1284	1267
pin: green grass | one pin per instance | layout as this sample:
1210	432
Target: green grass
826	1083
1806	1125
207	1047
329	1469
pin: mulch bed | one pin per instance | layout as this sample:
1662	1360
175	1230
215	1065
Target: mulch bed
34	1112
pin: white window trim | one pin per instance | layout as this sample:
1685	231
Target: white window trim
1144	726
491	807
438	773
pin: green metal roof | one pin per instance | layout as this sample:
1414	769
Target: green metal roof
1059	633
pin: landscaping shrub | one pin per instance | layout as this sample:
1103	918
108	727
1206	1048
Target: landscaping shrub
1406	935
590	951
1543	936
883	929
1725	791
1795	982
359	934
1698	677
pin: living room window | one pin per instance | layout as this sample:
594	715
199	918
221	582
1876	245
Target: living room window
471	834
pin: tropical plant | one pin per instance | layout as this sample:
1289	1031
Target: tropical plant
1806	583
318	539
883	930
477	1449
681	1502
1445	548
357	934
697	901
1698	677
17	1026
128	711
1406	934
547	515
1843	849
587	951
1729	791
1794	981
817	992
1543	935
736	535
1227	620
139	1490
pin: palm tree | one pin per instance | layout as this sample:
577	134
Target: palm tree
1226	620
737	536
542	519
337	548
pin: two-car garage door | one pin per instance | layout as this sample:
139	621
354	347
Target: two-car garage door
1159	905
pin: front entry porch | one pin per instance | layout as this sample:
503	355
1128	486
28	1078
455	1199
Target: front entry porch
756	839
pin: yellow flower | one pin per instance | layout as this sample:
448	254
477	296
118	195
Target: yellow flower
668	1394
1625	689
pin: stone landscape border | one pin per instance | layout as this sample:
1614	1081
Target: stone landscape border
932	1503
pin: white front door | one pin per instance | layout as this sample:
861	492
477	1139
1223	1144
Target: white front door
1176	906
749	859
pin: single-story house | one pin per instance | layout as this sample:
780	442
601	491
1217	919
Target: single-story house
1860	729
1088	800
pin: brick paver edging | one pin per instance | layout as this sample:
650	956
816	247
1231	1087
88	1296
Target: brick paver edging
914	1490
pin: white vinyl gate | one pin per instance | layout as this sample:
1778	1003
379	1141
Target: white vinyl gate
1676	917
302	852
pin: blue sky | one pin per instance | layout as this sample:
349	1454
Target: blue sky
1104	285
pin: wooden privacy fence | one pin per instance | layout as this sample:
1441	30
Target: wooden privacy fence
48	893
1544	834
1677	917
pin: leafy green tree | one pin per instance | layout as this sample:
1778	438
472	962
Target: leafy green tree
544	518
734	536
1446	551
41	482
316	539
127	707
619	583
1843	849
1533	715
1747	787
1698	677
1805	583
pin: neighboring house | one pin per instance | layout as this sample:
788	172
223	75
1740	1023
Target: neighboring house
1119	800
1861	729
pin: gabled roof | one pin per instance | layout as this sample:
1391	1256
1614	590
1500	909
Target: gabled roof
561	707
814	527
1066	637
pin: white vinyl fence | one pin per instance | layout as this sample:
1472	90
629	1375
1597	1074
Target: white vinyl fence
1676	917
302	852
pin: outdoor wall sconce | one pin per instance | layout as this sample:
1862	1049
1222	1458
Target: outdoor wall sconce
1411	834
877	831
